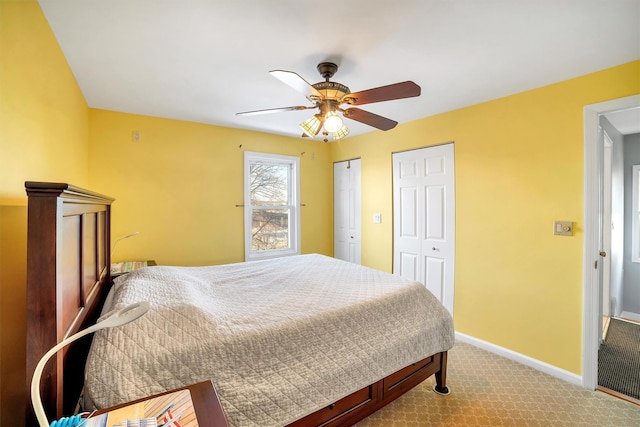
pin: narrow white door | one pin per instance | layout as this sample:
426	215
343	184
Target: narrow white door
424	218
347	211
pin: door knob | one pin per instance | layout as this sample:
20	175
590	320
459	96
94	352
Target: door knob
603	254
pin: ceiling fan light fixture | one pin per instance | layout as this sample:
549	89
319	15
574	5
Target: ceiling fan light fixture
341	133
328	96
311	126
332	122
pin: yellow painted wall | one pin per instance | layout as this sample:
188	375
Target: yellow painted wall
519	167
43	115
43	137
180	184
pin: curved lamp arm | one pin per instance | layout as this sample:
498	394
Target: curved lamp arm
119	318
113	248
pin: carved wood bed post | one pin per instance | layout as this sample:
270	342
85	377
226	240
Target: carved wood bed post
68	274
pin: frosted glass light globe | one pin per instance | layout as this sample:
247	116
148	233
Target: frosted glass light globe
332	123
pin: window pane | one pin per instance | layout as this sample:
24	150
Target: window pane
269	229
271	204
269	184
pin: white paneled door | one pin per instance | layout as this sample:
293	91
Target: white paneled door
424	218
346	210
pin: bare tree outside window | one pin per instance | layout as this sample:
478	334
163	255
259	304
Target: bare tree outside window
269	184
269	190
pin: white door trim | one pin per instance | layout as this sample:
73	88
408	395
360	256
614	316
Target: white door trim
592	218
605	306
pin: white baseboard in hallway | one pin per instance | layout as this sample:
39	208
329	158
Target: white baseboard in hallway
554	371
631	316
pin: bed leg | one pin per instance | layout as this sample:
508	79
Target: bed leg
440	386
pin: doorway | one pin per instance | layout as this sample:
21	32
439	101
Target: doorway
596	245
619	350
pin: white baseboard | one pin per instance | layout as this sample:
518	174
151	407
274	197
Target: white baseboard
554	371
631	316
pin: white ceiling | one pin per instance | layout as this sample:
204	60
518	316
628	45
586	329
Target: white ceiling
627	121
205	60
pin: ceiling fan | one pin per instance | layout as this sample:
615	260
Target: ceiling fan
329	97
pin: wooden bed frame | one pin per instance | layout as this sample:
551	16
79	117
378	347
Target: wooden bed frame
68	276
68	259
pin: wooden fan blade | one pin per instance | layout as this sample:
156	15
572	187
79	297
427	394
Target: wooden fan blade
406	89
273	110
298	83
370	119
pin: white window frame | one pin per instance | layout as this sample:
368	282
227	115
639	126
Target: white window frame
293	206
635	214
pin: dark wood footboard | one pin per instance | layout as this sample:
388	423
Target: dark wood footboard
364	402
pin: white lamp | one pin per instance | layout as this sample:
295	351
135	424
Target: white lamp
119	318
332	122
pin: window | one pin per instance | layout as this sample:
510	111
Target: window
635	215
271	205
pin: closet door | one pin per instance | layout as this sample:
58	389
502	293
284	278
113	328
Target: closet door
347	211
424	218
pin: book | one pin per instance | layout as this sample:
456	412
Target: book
174	409
126	267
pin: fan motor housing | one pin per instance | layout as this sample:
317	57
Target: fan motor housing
327	69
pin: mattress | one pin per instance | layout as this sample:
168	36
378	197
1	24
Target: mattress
280	338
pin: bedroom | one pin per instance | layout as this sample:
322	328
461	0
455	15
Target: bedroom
530	303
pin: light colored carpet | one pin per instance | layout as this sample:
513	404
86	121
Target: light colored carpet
489	390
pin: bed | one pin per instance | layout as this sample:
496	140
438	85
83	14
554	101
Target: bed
325	343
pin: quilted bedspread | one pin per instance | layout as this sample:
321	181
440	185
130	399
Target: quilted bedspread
280	338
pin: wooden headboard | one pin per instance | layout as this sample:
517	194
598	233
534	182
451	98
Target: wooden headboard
68	275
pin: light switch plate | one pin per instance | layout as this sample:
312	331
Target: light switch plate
563	228
377	218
